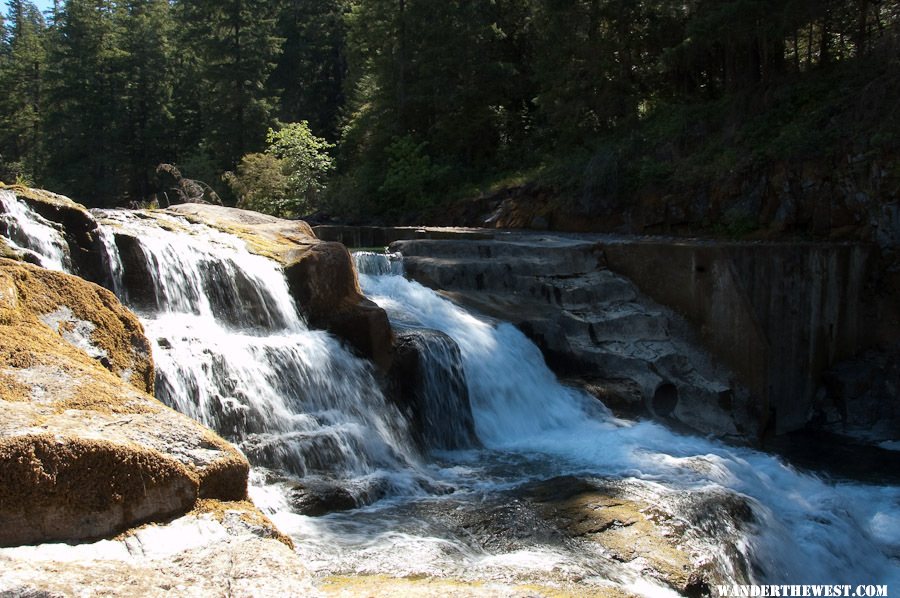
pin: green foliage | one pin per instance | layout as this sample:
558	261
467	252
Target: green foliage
430	100
311	69
289	178
411	176
453	75
23	62
86	82
306	163
260	184
232	47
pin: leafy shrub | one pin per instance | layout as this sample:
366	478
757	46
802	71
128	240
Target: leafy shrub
260	184
410	176
289	178
306	163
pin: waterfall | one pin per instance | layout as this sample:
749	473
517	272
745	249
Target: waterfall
27	231
232	351
806	530
427	371
432	385
378	264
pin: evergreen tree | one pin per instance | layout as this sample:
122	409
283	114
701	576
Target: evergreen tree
448	79
146	132
86	85
22	78
311	70
234	46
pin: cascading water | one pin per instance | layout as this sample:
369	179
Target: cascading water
434	388
231	351
26	231
806	531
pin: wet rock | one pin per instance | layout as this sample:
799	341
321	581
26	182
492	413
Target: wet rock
219	549
622	396
320	275
85	451
78	225
429	386
632	525
591	324
316	498
861	396
324	283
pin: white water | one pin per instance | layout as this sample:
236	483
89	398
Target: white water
808	530
232	352
28	232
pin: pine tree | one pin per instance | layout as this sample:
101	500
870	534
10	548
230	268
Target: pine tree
86	87
446	82
311	70
235	46
23	88
147	119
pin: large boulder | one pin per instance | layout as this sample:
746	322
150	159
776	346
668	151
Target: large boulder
429	386
85	450
593	326
668	537
321	276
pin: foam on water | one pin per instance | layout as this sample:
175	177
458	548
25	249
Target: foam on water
33	235
807	530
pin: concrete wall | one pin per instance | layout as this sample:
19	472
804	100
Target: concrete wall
777	314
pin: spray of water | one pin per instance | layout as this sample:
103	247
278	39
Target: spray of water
807	530
26	231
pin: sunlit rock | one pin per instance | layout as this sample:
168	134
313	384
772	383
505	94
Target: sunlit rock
86	451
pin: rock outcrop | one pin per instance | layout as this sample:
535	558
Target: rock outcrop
75	222
590	323
219	549
860	396
85	450
728	338
430	387
645	531
320	275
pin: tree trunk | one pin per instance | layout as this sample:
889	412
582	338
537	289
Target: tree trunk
824	46
862	26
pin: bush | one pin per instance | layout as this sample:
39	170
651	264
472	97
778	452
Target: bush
260	184
305	162
410	175
289	178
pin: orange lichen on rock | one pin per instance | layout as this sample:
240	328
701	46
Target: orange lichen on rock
57	489
85	451
116	331
246	512
13	390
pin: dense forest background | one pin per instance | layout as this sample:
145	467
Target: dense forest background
385	108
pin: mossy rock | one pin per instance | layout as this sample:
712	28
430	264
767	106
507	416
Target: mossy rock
85	451
75	488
